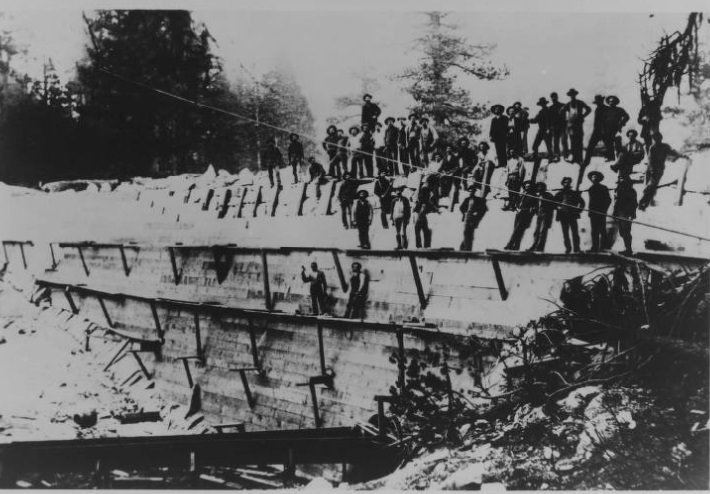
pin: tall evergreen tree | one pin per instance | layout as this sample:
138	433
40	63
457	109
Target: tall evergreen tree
432	83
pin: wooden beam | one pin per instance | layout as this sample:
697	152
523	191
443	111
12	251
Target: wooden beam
265	275
321	348
339	269
499	278
105	311
177	276
83	261
198	338
418	281
156	319
252	340
70	301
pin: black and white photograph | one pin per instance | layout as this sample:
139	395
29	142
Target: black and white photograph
360	246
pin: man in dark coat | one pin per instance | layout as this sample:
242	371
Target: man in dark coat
346	196
383	190
575	112
615	118
498	134
544	134
391	142
650	117
544	210
625	211
295	155
630	155
367	148
414	144
569	204
330	145
318	288
271	159
598	131
447	170
427	202
370	112
343	146
599	202
316	173
359	284
362	218
657	155
402	143
473	208
523	218
400	214
557	127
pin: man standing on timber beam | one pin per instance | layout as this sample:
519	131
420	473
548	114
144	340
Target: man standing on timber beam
498	134
630	155
569	204
657	154
346	195
318	288
401	212
383	190
391	138
362	218
295	156
523	218
358	293
599	202
625	211
271	159
473	208
557	128
544	209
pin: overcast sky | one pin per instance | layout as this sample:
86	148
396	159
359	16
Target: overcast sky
552	51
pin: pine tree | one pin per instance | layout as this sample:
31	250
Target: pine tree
432	84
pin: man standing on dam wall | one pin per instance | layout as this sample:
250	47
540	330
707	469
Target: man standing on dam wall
359	282
318	288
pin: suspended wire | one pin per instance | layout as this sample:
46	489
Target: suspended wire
465	180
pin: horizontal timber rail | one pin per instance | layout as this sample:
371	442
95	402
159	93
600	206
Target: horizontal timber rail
283	447
348	324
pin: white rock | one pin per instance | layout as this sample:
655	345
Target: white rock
493	487
467	478
319	483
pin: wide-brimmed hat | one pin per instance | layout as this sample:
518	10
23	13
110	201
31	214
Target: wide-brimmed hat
293	135
572	92
565	179
331	127
389	119
595	173
463	139
484	145
632	131
354	127
424	119
612	100
510	109
402	119
496	107
542	101
599	99
367	95
412	115
363	193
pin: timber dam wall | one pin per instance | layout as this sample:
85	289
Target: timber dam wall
236	320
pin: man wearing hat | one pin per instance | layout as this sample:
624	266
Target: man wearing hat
427	202
615	118
599	202
544	131
544	210
383	190
630	155
483	171
498	134
429	137
330	145
657	155
598	131
521	124
317	174
295	155
343	150
359	284
575	112
569	204
557	127
370	112
367	151
473	208
353	144
625	211
272	159
515	176
414	134
347	193
523	218
362	218
391	139
448	170
400	213
402	143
